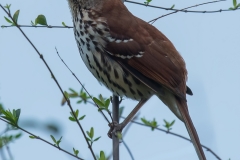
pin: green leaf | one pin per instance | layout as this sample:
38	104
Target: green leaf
75	152
8	6
80	101
234	3
33	24
32	137
18	112
144	121
73	95
172	122
66	94
15	16
98	102
107	102
72	119
119	135
1	108
41	19
59	141
8	20
96	139
81	118
18	135
101	98
72	90
91	132
64	24
102	156
172	6
54	140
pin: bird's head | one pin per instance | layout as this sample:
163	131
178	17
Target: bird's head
75	5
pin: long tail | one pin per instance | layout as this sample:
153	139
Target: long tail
183	109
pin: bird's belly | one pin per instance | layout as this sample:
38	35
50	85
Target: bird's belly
112	75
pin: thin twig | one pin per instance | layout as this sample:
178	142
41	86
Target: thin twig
184	9
180	10
47	26
54	78
128	149
83	87
37	137
8	151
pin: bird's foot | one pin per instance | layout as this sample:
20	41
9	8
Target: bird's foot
115	128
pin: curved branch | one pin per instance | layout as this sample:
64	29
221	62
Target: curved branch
179	10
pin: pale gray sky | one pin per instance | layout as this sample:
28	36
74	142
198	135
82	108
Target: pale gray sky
209	44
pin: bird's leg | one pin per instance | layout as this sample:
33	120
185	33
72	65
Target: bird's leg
114	126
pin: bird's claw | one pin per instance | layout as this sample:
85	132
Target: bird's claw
114	128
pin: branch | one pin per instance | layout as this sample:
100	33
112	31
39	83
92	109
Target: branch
52	75
184	9
37	137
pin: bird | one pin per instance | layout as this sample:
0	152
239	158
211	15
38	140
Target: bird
132	58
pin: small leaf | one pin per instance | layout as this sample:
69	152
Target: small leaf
33	23
107	102
91	132
98	102
72	119
76	113
102	156
81	118
59	141
32	137
18	111
18	135
64	24
41	19
54	140
96	139
80	101
72	90
119	135
172	6
8	6
66	94
8	20
73	95
234	3
15	16
75	152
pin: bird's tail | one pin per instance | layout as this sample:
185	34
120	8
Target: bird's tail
180	109
183	109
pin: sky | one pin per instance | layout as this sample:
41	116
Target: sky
209	43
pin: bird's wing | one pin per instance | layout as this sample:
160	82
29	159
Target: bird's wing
136	44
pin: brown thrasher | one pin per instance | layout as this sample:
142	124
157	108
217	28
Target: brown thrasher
131	58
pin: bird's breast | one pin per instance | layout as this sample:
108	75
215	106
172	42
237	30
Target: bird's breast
91	37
